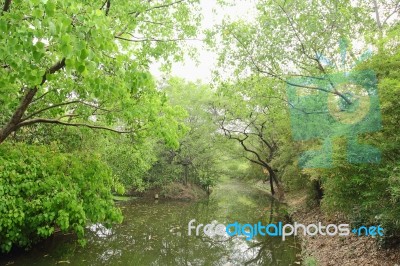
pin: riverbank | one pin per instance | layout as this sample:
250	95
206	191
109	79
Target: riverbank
172	191
344	251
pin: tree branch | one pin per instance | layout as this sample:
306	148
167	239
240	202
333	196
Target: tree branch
47	108
154	39
253	161
54	68
396	9
63	104
273	74
7	5
55	121
108	7
15	120
377	16
42	96
157	7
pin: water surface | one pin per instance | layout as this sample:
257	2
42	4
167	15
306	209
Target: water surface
156	233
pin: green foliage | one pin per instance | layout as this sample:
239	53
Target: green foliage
129	161
86	66
262	56
370	193
186	162
43	190
83	67
253	113
203	154
290	44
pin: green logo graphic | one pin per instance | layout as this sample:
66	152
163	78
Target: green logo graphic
344	104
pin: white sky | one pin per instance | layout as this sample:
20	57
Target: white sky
212	15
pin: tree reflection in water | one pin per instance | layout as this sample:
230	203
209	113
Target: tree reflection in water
157	234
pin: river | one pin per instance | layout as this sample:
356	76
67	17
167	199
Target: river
156	233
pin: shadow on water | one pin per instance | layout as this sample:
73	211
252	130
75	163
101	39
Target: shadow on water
156	233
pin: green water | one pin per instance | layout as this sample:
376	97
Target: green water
156	233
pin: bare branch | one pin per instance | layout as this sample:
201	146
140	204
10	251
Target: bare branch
253	161
396	9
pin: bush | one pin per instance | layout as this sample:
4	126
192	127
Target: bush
370	193
43	190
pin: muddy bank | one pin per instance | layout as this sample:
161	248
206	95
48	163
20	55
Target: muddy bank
172	191
328	250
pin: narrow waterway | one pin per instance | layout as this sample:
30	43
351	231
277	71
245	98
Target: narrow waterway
156	233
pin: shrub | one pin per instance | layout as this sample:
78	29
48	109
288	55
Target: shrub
43	190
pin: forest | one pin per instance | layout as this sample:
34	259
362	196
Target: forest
303	100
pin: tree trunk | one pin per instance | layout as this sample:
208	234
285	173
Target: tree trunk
273	178
186	174
15	120
272	184
12	125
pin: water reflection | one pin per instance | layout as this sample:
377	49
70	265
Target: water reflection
156	234
100	230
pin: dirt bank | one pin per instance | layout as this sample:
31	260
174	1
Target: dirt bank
173	191
344	251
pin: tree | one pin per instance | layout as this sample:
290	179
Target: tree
366	193
311	48
199	154
82	66
44	190
301	41
252	112
85	64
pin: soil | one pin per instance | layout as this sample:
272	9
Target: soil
335	250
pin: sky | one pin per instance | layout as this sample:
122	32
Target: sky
213	14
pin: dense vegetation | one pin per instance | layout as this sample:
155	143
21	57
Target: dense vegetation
82	118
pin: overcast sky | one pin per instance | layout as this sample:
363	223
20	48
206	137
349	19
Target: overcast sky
212	15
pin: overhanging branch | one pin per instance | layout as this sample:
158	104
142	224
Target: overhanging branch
55	121
63	104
